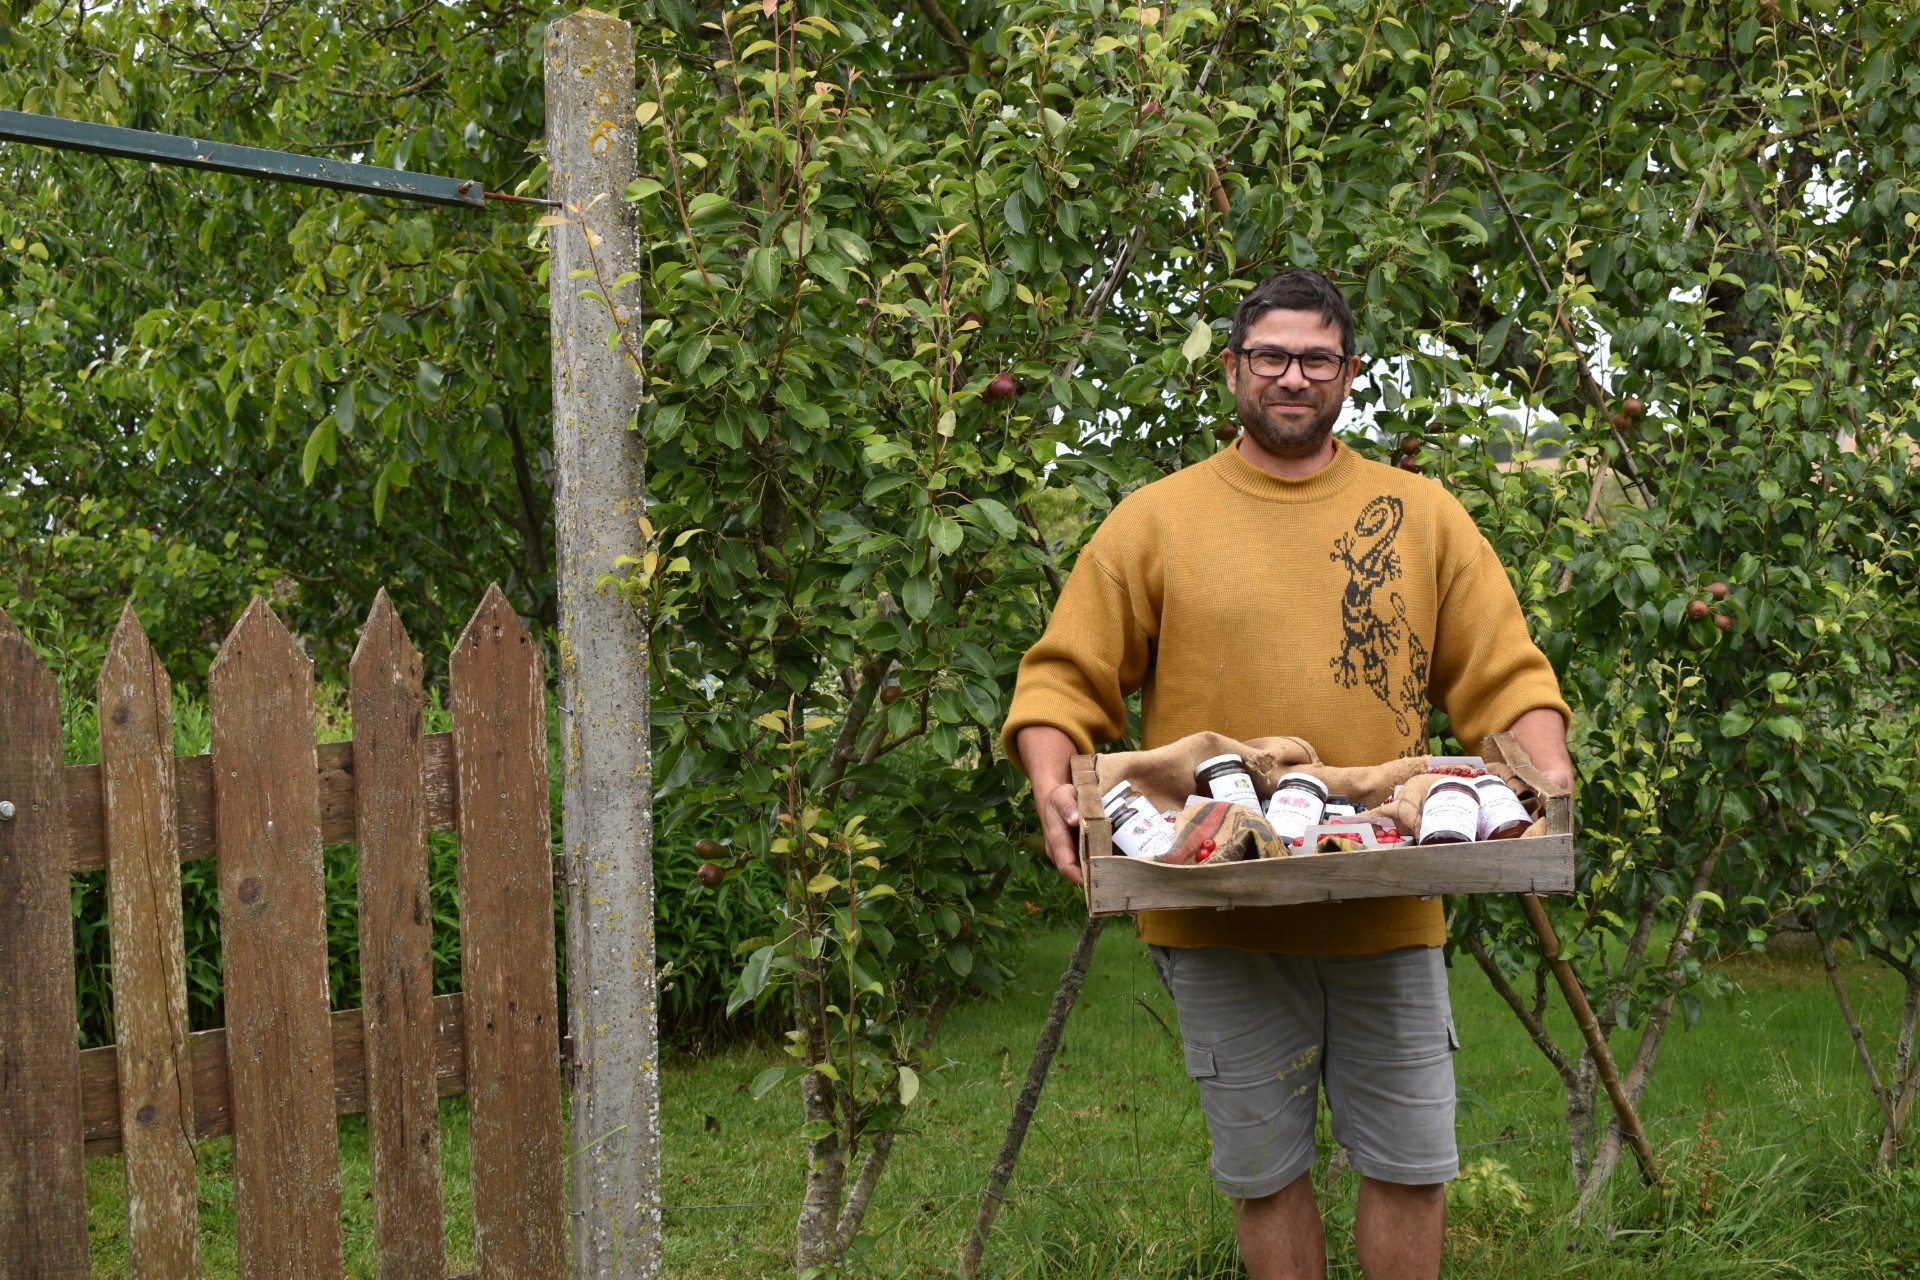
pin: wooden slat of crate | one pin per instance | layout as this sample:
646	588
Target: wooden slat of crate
396	964
506	948
286	1178
149	957
43	1200
1118	885
193	801
212	1097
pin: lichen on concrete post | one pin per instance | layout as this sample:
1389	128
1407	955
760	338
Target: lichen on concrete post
599	499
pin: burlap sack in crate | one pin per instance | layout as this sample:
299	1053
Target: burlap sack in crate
1539	862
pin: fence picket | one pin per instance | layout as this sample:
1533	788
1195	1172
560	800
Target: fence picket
149	958
43	1202
396	966
273	951
506	952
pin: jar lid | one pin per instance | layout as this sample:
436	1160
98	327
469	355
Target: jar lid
1454	784
1495	779
1304	779
1116	797
1238	761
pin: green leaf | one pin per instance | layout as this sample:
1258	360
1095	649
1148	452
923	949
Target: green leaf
753	979
916	597
823	883
1199	341
641	188
909	1086
693	355
1786	727
991	513
767	1081
320	443
946	535
1016	214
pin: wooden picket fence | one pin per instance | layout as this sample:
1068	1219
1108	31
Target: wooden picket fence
263	803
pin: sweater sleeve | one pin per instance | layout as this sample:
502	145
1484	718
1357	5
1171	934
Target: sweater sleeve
1095	651
1487	672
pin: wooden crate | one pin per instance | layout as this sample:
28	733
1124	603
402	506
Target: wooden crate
1119	885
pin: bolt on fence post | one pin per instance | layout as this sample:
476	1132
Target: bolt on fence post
606	755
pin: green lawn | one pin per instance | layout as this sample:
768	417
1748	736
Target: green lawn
1112	1182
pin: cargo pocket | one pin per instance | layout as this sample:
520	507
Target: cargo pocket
1199	1060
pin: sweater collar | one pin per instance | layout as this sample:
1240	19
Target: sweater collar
1240	474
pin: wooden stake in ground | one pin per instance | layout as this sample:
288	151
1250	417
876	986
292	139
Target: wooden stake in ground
1596	1042
1002	1173
605	752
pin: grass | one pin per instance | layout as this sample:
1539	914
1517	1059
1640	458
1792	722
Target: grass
1760	1112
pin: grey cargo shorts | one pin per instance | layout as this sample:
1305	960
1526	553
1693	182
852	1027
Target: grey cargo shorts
1261	1033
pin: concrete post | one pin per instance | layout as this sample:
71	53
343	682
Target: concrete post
605	750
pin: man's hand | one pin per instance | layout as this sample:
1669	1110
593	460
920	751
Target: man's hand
1047	753
1543	734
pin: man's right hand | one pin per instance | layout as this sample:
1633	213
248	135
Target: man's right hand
1047	754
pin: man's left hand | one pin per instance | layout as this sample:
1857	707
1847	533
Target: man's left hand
1543	734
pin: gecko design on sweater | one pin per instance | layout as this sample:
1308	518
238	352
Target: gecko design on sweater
1374	635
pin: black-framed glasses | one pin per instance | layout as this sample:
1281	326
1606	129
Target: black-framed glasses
1273	362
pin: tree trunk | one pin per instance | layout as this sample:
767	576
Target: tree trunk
1649	1047
1906	1073
605	752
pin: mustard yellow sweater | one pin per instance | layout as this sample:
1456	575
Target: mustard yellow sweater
1331	608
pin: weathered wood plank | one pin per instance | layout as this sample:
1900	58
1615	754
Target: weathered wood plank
396	964
506	946
193	801
149	956
43	1200
274	953
212	1100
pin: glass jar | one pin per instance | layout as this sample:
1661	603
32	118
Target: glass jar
1502	816
1451	813
1226	778
1340	807
1138	830
1299	801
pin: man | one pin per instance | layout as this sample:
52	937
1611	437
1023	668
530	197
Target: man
1288	586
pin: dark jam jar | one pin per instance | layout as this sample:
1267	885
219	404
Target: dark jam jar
1451	813
1226	778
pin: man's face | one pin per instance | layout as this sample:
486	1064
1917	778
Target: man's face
1289	416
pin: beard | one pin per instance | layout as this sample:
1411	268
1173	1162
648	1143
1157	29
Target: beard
1282	434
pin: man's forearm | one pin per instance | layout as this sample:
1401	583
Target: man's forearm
1046	753
1543	735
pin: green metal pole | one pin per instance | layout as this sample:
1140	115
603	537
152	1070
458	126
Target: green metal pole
246	162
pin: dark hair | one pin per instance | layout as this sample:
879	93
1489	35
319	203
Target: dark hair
1295	289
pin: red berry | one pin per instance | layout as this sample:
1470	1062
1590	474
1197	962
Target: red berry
1226	432
1002	387
711	874
709	848
1410	445
1718	590
1699	609
1631	405
1723	622
970	320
